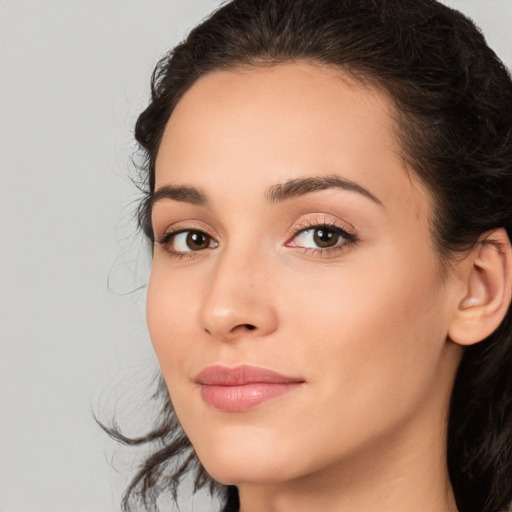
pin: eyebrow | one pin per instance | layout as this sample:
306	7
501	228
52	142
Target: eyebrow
181	193
301	186
276	193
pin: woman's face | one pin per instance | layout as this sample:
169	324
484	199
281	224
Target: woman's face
295	240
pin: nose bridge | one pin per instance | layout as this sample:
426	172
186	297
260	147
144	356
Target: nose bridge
239	295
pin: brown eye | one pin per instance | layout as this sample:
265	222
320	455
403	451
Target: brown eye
322	237
325	237
188	241
197	240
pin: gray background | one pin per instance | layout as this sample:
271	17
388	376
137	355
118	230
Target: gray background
73	76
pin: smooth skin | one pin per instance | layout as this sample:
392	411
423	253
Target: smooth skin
338	285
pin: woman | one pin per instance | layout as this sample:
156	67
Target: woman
329	189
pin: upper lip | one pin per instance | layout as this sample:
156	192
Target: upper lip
218	375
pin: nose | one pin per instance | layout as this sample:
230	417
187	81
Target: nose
239	300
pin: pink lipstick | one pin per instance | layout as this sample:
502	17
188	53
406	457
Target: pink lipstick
242	388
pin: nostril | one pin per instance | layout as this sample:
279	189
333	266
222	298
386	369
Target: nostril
250	327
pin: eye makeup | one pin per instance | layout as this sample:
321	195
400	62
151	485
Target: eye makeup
316	235
324	238
184	241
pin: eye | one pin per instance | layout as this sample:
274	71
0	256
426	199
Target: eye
321	237
188	241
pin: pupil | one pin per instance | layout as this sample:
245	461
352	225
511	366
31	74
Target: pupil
325	237
197	240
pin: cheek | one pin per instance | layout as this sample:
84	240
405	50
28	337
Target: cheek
374	334
169	307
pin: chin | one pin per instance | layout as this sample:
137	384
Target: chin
249	458
239	469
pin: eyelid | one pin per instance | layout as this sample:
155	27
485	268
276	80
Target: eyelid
319	220
311	223
171	234
180	227
304	223
165	239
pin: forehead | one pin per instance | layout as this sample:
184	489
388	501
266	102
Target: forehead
257	126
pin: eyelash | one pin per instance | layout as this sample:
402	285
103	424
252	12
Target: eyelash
168	237
349	239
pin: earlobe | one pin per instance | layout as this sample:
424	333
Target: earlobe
487	290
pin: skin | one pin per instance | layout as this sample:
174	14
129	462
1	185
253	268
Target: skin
363	324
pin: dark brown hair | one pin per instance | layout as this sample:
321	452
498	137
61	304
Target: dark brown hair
453	100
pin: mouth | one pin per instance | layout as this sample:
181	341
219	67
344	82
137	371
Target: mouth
243	387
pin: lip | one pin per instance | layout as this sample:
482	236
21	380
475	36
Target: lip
243	387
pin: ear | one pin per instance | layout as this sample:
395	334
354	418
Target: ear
487	289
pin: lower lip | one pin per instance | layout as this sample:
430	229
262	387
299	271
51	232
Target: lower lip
244	397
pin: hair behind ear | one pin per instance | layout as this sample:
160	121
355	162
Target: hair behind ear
480	424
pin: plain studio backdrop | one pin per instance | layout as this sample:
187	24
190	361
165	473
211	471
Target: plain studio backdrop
73	76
